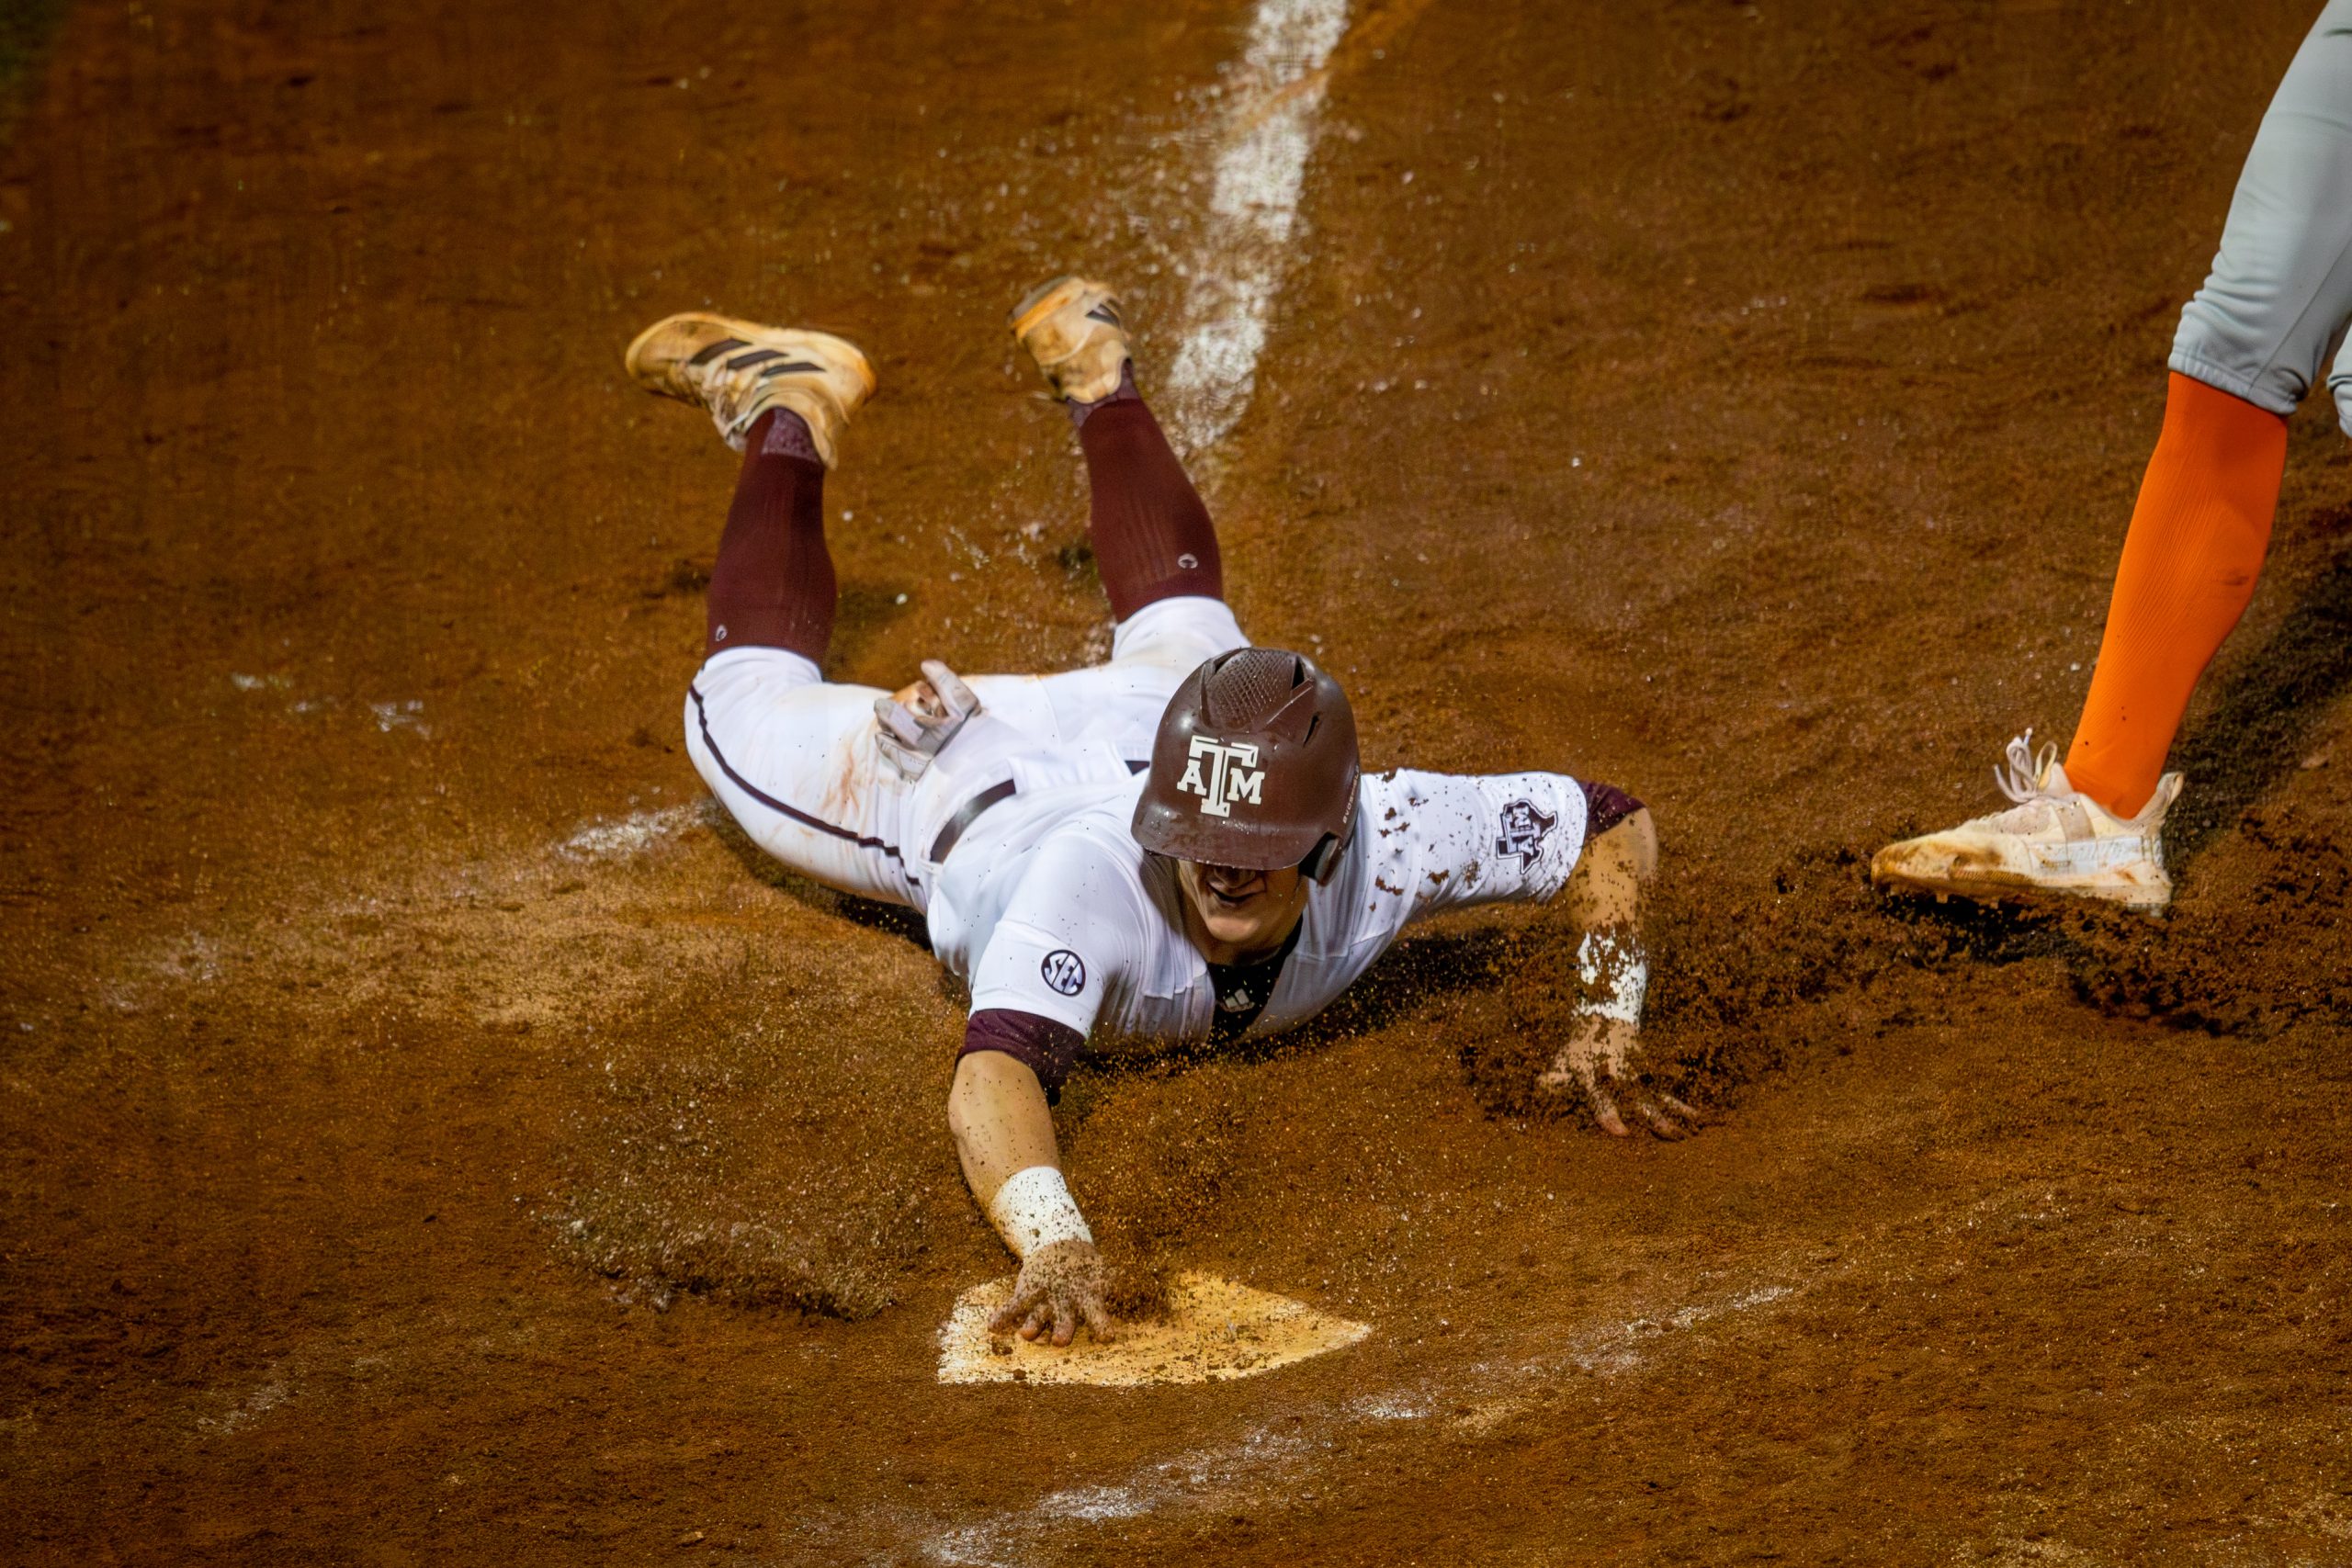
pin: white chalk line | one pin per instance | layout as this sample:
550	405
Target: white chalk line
1271	119
198	960
257	1404
1268	1470
627	837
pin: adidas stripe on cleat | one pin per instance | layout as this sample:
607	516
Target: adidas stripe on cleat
1074	328
738	370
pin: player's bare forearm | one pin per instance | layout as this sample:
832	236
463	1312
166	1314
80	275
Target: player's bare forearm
1605	900
1004	1135
1002	1123
1610	883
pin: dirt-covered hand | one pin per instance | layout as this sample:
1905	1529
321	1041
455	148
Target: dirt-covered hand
1603	1061
1060	1286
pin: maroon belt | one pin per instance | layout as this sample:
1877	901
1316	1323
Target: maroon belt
966	815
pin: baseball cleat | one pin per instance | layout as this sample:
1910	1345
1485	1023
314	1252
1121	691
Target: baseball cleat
2053	841
1072	328
738	371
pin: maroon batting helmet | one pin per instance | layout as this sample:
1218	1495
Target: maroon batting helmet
1254	767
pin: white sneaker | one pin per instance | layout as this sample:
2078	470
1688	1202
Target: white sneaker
2053	841
740	369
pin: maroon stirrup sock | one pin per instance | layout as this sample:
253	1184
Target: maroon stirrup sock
1152	535
772	585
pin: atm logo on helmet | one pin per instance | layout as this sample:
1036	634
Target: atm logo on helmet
1234	775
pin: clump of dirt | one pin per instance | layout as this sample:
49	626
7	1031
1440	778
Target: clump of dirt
2272	718
2255	940
2253	943
1730	964
744	1164
1176	1146
1725	963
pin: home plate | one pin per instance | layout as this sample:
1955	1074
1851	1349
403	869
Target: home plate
1214	1329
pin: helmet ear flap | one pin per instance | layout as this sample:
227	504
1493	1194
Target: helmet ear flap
1323	859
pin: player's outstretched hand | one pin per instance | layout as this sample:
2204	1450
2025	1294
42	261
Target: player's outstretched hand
1060	1286
1603	1061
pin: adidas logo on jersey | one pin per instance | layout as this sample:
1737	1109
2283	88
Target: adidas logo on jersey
1233	774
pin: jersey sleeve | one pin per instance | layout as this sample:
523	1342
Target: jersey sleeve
1487	839
1045	1048
1068	935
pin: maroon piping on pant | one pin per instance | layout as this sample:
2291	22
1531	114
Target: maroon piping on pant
770	802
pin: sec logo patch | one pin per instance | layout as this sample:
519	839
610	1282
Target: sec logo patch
1065	971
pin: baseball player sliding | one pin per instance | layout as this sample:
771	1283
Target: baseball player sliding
2251	343
1175	845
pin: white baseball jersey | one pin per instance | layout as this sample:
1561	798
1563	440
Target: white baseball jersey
1045	904
1048	906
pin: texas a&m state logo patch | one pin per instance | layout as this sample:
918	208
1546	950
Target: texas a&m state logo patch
1524	827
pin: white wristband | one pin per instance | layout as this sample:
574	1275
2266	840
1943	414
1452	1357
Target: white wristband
1033	1208
1619	970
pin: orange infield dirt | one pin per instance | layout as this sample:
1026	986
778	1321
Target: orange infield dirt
428	1135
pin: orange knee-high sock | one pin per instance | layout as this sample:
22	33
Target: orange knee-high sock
2195	548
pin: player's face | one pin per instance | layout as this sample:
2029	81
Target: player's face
1243	914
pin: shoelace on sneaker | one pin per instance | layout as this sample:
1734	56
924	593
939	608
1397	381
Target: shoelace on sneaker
2022	774
2038	807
